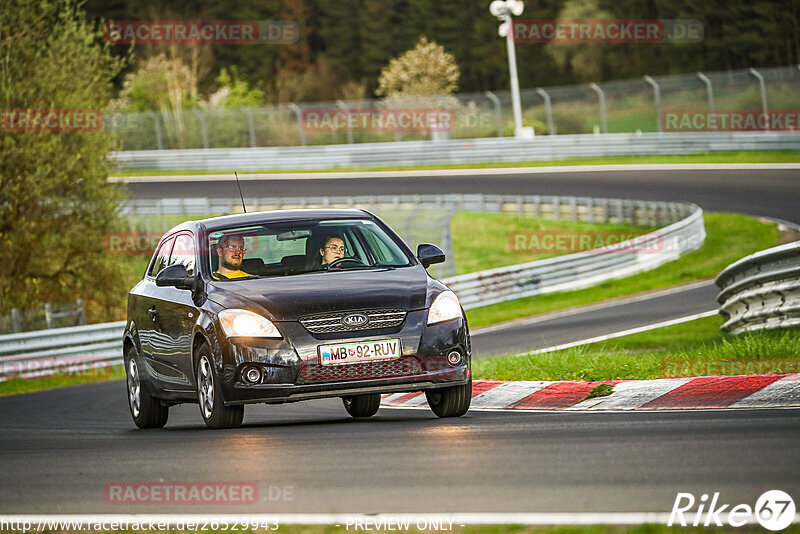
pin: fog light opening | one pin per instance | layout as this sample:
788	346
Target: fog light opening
252	375
454	358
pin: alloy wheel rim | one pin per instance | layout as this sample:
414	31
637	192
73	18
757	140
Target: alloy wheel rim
205	391
134	388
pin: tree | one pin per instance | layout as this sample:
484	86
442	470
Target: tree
56	206
427	69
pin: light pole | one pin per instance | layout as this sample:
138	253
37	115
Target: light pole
503	10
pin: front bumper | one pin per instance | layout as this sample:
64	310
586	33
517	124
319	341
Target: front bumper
291	371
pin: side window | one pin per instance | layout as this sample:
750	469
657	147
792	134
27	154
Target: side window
161	257
183	252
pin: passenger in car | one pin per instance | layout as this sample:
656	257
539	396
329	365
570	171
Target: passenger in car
332	249
230	252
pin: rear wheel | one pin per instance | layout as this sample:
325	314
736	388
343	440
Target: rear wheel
209	395
362	405
146	410
450	402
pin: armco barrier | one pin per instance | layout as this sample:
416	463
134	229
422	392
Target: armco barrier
60	350
761	291
40	353
454	151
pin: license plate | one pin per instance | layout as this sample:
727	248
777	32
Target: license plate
363	351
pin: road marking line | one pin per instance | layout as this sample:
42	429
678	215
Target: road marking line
623	333
591	307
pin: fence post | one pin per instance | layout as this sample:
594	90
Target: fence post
203	126
656	100
548	110
81	312
709	90
342	105
48	314
498	111
602	97
157	127
763	88
16	320
251	126
298	113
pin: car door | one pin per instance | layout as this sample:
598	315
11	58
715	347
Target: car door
145	313
175	318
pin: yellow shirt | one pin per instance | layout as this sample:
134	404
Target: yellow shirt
235	274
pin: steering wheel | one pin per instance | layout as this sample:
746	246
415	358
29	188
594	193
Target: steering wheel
345	261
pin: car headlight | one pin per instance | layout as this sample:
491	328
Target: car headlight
445	307
247	324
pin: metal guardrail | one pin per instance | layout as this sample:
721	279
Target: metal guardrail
60	350
454	151
33	354
582	269
761	291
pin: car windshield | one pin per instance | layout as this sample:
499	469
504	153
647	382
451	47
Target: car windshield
285	249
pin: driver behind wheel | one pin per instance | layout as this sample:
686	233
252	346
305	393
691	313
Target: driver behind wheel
332	249
230	251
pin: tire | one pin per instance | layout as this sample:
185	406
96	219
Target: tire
450	402
146	410
209	395
362	405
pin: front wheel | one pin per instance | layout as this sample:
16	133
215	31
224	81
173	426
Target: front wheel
450	402
209	395
362	405
146	410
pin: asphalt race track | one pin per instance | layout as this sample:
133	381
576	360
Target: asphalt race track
772	193
60	448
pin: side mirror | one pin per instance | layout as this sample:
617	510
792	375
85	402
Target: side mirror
176	276
429	254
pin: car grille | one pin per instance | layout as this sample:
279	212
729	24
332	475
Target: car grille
359	371
325	323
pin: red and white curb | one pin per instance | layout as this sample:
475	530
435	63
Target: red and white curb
741	391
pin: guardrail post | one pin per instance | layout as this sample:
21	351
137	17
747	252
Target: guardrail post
548	110
602	97
298	114
590	210
763	89
498	111
251	126
157	127
656	100
573	208
203	126
709	91
343	106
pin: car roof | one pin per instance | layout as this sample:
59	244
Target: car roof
244	219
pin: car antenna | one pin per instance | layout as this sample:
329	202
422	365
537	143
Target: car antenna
240	190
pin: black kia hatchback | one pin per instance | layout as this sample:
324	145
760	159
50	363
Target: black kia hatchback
284	306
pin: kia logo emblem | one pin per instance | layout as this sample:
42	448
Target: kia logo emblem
355	319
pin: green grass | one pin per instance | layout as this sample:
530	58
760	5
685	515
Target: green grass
14	386
695	348
729	237
771	156
486	240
